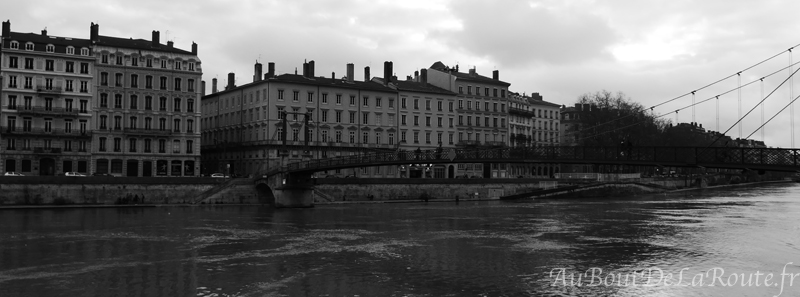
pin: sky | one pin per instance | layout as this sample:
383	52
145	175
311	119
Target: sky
652	51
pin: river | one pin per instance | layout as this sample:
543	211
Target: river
742	241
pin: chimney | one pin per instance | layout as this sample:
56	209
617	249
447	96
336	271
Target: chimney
416	76
496	75
387	72
333	75
94	31
231	81
202	88
271	69
169	44
156	37
472	72
350	71
213	85
44	32
258	72
456	67
305	69
7	28
366	73
311	68
194	48
423	75
408	78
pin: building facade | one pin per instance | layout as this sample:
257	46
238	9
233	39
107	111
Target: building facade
533	122
244	131
145	118
46	93
481	113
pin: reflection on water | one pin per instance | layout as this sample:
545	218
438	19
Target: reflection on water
437	249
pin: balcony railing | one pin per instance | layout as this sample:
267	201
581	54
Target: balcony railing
39	131
46	89
33	110
140	131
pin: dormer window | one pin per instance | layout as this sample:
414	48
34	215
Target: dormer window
84	52
29	46
50	48
70	50
14	45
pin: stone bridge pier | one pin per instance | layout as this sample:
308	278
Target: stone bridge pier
287	190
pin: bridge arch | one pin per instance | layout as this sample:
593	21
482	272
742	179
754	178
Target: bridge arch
264	192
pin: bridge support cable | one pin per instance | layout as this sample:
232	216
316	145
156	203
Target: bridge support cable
791	94
693	107
692	92
762	111
776	114
738	122
594	128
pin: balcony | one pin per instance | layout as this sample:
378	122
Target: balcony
41	110
521	112
39	132
139	131
47	151
46	89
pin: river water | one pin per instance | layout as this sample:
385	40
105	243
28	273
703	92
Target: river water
741	241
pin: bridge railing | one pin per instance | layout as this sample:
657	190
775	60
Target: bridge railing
627	154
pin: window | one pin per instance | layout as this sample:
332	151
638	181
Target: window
134	80
117	100
191	66
189	126
416	137
14	45
148	123
416	120
147	145
428	121
280	94
68	85
27	124
460	104
338	136
12	81
310	97
117	144
103	120
162	104
13	62
402	119
149	62
70	67
103	100
352	137
391	138
338	116
352	117
29	82
439	105
48	104
163	83
428	137
176	105
190	85
102	144
148	103
49	65
28	63
469	90
134	102
176	125
177	84
84	68
132	145
324	98
68	104
324	116
352	100
189	146
162	145
338	99
103	78
29	46
134	61
164	64
104	59
12	102
296	96
84	51
416	103
162	124
365	118
365	137
117	122
148	82
119	60
190	105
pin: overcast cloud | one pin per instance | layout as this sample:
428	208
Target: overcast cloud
651	50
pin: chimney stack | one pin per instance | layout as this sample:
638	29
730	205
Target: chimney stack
214	85
408	78
94	31
472	72
423	75
366	74
44	32
202	88
387	72
156	37
416	76
271	69
350	71
169	44
194	48
258	72
311	68
7	28
496	75
333	75
231	81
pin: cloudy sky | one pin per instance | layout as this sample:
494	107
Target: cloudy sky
652	51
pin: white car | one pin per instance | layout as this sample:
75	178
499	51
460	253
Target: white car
12	173
219	175
74	174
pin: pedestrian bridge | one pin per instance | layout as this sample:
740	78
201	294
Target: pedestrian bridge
291	185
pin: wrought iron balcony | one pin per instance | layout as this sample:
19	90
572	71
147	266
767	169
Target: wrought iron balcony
51	89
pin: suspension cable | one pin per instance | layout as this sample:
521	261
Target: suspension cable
776	114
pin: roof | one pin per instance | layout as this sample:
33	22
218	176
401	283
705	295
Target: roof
47	39
413	86
315	81
138	44
474	77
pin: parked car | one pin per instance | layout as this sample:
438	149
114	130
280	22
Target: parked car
102	174
12	173
78	174
219	175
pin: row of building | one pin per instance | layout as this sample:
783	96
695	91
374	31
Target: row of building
136	107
